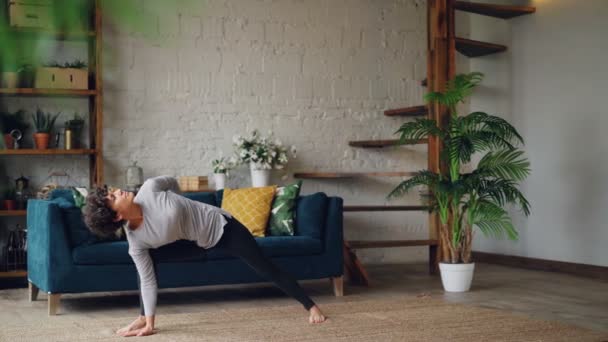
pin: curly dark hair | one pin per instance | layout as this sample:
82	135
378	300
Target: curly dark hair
98	216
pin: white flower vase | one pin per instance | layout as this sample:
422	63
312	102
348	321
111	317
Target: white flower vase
219	180
259	177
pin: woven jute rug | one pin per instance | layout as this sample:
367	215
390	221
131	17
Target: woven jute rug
402	319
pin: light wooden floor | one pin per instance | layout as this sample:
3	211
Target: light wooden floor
544	295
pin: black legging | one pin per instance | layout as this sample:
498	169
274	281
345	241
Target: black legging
239	242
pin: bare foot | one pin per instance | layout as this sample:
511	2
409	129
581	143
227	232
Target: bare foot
316	316
138	323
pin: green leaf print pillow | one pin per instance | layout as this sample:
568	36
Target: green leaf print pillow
284	210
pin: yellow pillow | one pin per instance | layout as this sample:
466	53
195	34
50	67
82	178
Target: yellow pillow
251	206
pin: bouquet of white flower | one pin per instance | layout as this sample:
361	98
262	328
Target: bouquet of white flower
264	152
223	164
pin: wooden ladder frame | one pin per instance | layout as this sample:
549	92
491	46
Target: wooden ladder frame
441	67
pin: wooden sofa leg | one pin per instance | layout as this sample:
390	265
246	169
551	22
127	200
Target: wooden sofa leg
54	299
338	283
33	291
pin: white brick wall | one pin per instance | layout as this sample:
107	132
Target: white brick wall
317	72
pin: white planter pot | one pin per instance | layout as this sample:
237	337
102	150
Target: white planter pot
219	179
456	277
259	177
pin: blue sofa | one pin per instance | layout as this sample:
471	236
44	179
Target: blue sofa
63	257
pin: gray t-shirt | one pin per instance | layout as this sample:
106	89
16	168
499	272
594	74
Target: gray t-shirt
168	217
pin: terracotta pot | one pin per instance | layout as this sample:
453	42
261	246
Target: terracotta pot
9	204
8	142
42	140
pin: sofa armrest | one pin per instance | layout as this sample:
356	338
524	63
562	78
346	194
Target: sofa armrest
334	234
49	257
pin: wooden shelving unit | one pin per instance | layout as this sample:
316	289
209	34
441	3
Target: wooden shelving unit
14	274
93	39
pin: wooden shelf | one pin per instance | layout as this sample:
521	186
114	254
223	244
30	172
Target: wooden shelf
385	208
49	92
391	243
13	212
497	11
384	143
26	152
48	33
13	274
414	111
474	48
339	175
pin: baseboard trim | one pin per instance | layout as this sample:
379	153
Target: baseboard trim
584	270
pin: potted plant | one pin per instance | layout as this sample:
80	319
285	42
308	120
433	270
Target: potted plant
75	125
44	124
27	74
9	199
221	169
10	122
464	200
10	77
263	154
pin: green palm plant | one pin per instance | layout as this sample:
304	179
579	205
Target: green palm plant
477	198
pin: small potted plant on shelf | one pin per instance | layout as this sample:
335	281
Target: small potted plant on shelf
27	74
70	75
263	154
221	170
9	199
44	124
464	200
75	125
11	122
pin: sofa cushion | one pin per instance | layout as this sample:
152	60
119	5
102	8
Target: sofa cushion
251	206
275	246
205	197
117	252
284	210
310	215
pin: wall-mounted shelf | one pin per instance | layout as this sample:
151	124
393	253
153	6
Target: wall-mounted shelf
385	208
474	48
47	33
384	143
33	152
391	243
414	111
338	175
49	92
497	11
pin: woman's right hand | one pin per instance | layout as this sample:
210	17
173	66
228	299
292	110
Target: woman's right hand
137	324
